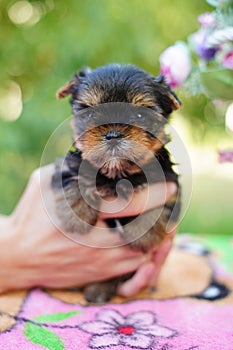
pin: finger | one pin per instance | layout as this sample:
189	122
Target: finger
160	256
151	197
102	237
139	280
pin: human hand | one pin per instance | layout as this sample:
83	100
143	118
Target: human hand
35	253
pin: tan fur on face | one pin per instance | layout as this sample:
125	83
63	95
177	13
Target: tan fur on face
135	147
95	136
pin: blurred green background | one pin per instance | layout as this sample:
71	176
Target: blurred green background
42	43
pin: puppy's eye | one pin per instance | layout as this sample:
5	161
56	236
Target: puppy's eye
139	115
82	105
78	105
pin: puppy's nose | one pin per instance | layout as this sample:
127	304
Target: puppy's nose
113	134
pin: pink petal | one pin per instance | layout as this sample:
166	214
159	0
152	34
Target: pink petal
97	327
207	20
227	61
158	331
111	316
99	341
175	64
138	341
225	156
140	319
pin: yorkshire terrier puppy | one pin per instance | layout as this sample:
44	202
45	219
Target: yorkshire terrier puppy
120	113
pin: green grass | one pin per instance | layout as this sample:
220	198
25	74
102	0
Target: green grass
211	207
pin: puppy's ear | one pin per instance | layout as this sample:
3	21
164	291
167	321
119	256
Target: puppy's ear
71	87
166	98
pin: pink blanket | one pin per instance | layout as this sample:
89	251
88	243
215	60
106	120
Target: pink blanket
192	308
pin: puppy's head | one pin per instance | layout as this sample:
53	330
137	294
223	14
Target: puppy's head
120	112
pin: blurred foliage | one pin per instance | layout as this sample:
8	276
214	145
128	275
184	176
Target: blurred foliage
44	42
210	210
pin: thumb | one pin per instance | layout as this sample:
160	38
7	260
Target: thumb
140	280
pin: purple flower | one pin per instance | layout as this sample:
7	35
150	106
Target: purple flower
207	20
200	44
175	64
227	60
137	330
225	156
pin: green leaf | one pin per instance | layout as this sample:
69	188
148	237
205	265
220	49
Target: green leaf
44	337
56	317
218	82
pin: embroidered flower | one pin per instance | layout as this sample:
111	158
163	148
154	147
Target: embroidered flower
137	330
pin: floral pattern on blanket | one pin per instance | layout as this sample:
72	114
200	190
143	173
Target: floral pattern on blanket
138	330
39	319
173	324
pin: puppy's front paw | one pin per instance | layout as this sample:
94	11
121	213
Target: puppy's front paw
77	213
77	220
101	292
150	239
145	231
